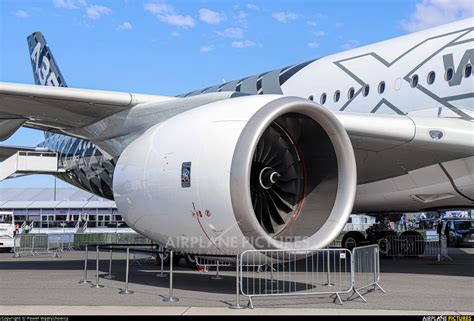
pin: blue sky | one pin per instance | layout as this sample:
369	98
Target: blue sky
171	47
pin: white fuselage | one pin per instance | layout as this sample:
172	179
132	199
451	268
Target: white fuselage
395	62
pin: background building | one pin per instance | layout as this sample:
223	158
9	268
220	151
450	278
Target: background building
49	207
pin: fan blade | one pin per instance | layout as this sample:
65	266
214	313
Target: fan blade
288	186
281	203
294	127
286	161
273	210
268	150
290	197
289	174
267	223
260	149
278	161
258	208
274	160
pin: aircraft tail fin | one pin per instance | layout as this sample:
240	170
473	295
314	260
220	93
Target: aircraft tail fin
45	69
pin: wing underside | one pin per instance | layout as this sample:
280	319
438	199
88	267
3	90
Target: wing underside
64	108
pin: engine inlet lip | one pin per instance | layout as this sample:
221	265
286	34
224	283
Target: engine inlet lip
241	165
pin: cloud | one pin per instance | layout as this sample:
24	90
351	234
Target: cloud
167	14
231	33
178	20
159	8
67	4
96	11
125	26
430	13
320	33
243	44
312	23
242	15
241	18
207	49
285	17
313	44
252	6
22	14
211	17
350	44
175	34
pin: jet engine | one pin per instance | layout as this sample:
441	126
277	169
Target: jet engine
253	172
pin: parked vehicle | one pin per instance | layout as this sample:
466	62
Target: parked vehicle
375	232
461	232
7	231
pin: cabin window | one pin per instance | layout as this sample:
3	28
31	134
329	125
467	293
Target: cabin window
337	95
366	91
414	81
467	70
351	93
311	98
323	99
431	78
381	87
449	74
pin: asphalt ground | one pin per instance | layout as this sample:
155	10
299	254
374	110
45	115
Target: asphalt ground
48	285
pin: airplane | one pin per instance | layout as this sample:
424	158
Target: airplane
277	160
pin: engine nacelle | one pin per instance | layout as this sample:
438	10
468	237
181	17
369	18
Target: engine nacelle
264	172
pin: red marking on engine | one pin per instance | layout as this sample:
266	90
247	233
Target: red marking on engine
199	214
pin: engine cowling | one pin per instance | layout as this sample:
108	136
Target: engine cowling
265	172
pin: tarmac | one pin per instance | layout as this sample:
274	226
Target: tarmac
44	285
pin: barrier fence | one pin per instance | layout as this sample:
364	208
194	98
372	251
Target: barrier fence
287	273
31	245
415	245
273	273
41	244
365	269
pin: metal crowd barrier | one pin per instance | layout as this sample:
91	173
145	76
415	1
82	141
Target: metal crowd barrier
126	248
273	273
40	244
416	246
365	269
35	244
282	273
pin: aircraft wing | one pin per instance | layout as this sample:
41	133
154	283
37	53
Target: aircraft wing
64	108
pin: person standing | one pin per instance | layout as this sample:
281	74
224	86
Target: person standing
27	229
439	230
446	233
404	222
